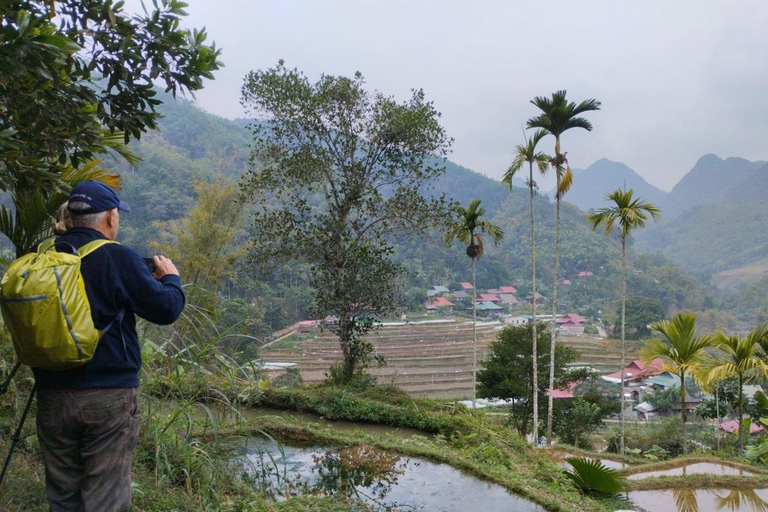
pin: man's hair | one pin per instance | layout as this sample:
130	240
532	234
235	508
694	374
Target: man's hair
82	217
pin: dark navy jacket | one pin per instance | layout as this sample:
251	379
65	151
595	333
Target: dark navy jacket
115	277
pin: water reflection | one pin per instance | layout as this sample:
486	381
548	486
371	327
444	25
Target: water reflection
704	500
385	481
349	470
694	469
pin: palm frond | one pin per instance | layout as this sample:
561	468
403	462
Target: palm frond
593	476
565	182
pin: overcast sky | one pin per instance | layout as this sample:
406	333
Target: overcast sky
677	79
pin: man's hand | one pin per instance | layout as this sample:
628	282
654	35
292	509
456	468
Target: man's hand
163	267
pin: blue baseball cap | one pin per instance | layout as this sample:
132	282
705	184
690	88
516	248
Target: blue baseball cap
98	196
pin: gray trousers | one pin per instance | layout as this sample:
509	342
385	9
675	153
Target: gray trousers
87	439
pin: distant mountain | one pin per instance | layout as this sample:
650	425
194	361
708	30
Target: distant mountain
712	180
714	219
590	185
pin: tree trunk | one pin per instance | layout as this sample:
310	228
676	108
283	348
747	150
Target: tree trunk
682	410
717	409
474	336
345	338
535	353
553	325
623	318
741	413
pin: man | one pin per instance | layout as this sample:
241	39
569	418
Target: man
88	417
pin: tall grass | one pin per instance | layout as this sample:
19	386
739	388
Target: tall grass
190	387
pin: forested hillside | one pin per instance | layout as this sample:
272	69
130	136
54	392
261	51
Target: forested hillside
193	146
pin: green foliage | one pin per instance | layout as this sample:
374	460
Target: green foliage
575	418
640	313
591	475
664	399
656	452
469	228
508	371
343	169
54	53
202	242
291	378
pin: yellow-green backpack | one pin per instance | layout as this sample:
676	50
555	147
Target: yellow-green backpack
46	309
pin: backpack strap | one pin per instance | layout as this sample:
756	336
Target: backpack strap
91	246
46	245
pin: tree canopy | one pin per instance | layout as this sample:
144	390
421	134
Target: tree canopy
75	72
338	171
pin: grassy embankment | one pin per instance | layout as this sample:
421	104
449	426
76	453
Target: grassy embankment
182	463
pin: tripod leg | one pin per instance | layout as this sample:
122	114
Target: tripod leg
4	385
17	435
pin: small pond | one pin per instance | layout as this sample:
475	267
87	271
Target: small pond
694	469
701	500
382	479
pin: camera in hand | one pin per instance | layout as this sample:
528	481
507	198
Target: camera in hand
150	263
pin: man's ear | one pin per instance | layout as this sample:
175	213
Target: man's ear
112	217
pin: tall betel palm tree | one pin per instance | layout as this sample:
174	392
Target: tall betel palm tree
558	115
468	229
630	213
740	356
526	153
682	352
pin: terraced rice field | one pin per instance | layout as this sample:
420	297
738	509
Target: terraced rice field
425	359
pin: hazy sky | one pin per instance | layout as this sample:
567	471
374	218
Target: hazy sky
677	79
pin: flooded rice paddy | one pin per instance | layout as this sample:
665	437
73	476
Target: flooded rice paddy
701	500
384	480
698	468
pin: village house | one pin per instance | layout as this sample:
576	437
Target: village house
437	291
488	308
571	323
508	298
467	286
306	326
439	302
516	320
636	372
732	426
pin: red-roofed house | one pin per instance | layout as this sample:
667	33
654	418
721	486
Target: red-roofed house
439	302
732	426
585	273
636	371
307	326
566	392
488	297
575	317
571	324
565	282
466	286
507	289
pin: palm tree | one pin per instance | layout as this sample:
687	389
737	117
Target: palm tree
32	217
468	230
559	115
526	153
630	213
681	350
739	357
